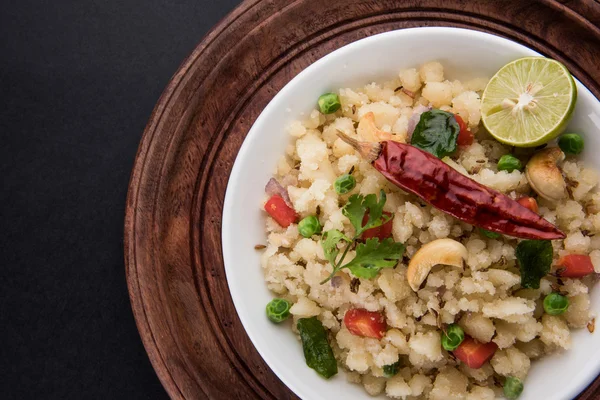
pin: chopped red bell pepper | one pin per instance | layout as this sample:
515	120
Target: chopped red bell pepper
361	322
574	266
465	136
474	353
280	211
383	231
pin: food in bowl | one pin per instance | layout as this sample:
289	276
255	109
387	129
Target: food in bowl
420	254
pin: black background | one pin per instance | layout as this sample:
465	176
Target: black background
78	81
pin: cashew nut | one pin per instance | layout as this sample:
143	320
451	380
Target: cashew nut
544	176
440	251
368	131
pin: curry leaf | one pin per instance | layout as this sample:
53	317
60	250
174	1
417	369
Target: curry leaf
317	350
436	133
535	258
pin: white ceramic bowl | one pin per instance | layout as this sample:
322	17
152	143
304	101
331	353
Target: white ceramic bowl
465	54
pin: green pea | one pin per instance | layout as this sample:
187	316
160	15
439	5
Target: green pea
329	103
453	337
309	226
556	304
513	387
489	234
278	310
509	163
344	184
571	143
391	369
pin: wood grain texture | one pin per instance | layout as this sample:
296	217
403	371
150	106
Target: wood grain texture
174	265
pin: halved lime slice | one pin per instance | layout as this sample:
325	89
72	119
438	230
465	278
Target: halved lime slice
529	101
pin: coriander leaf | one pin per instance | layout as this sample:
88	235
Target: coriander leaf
366	272
372	256
358	206
329	243
355	210
375	210
391	370
436	133
535	258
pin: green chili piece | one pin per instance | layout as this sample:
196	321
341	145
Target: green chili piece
317	351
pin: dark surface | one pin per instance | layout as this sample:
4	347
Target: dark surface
78	81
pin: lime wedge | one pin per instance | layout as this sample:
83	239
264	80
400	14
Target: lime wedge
528	102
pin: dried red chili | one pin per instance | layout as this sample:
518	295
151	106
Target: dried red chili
426	176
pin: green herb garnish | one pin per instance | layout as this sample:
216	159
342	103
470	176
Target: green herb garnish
358	205
317	351
391	370
436	133
535	258
489	234
372	255
329	243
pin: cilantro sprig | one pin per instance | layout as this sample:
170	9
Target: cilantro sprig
372	255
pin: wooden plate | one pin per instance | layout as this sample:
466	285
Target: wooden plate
173	255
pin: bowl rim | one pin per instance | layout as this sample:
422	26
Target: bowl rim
227	245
